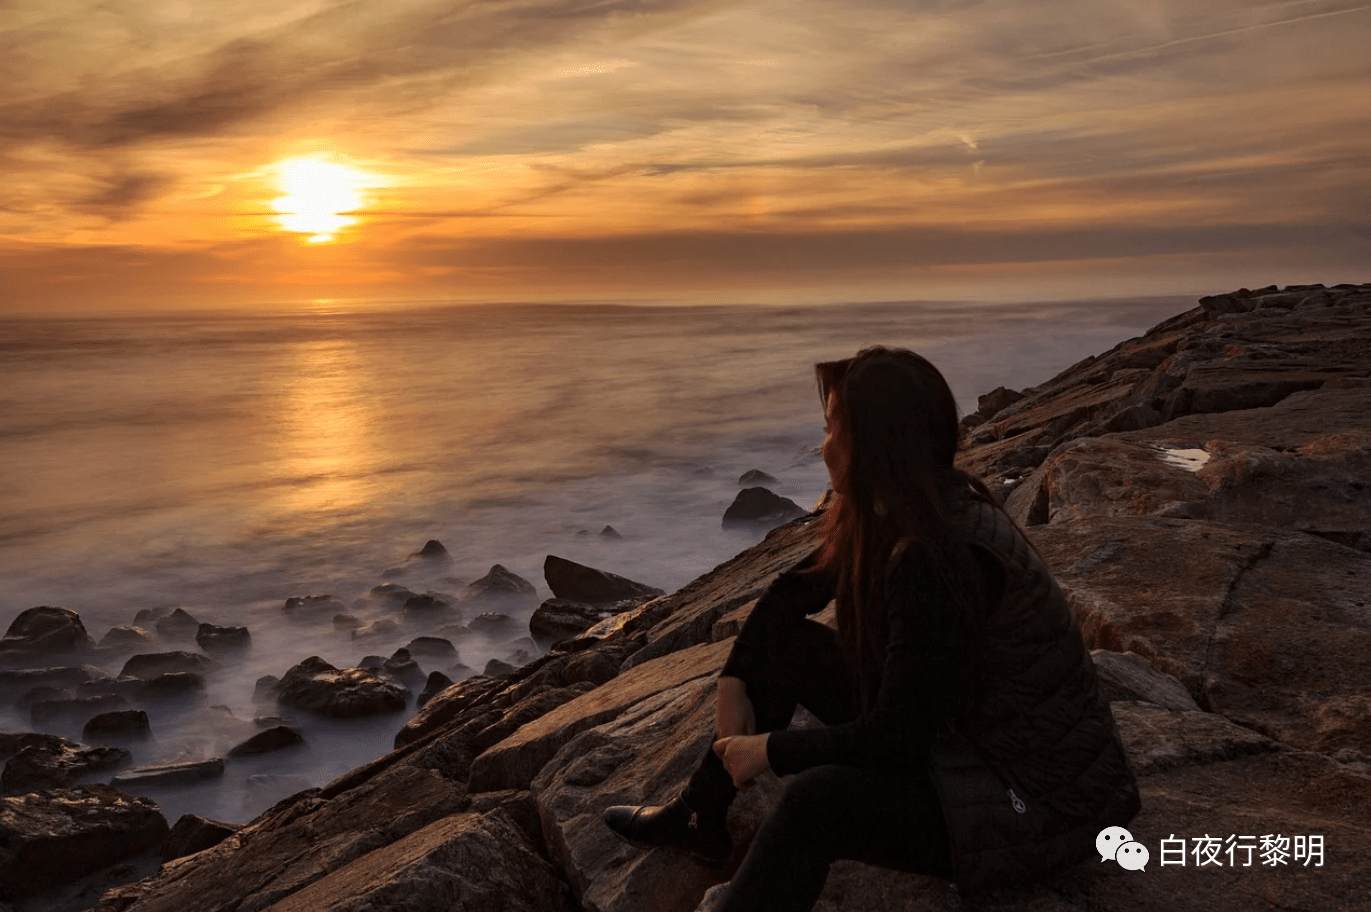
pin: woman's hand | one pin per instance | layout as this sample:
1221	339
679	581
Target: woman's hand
744	757
732	709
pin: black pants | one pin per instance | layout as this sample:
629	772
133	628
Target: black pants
886	817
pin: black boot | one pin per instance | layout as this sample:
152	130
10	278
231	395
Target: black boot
673	825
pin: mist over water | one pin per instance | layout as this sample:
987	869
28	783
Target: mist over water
223	464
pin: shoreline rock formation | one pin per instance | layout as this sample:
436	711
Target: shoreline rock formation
1200	493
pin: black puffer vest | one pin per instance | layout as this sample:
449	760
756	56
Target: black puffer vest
1036	769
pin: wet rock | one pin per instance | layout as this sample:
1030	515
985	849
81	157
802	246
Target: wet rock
346	622
760	507
265	687
498	667
610	533
500	587
402	667
432	647
163	775
179	625
392	593
383	627
44	712
57	767
171	684
148	616
21	680
275	738
427	605
557	619
222	639
45	630
436	683
53	837
316	686
126	636
311	607
12	743
433	550
579	583
151	665
756	477
43	694
119	724
193	834
493	622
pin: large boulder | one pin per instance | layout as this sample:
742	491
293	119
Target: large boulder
501	588
579	583
316	686
45	630
54	837
150	665
559	618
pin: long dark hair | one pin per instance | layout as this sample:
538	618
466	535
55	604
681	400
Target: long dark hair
895	419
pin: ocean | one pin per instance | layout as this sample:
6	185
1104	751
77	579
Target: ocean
224	463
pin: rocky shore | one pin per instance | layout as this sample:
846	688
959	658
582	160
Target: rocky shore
1201	493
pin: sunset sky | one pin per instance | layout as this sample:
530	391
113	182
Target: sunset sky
182	154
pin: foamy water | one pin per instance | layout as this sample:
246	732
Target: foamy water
222	465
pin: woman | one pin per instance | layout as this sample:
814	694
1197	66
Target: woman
964	732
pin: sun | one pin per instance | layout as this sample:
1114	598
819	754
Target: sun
318	193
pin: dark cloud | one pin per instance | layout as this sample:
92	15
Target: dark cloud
123	194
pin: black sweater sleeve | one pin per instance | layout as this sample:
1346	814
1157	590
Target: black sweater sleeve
927	653
790	597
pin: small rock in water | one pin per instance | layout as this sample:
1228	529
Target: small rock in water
171	684
167	774
609	532
501	586
46	629
265	688
309	606
43	694
378	628
179	625
433	550
392	592
754	477
316	686
119	724
63	676
760	507
212	638
346	622
426	604
193	834
46	711
272	739
436	647
149	615
151	665
497	667
403	668
371	661
491	621
437	683
127	636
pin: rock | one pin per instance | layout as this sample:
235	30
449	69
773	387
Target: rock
436	683
309	607
500	587
171	684
579	583
492	622
265	687
43	695
57	767
12	743
383	627
23	680
346	622
43	712
1128	676
755	477
193	834
149	615
498	667
119	724
433	550
316	686
272	739
610	533
46	630
127	636
52	838
151	665
426	605
996	401
223	639
169	774
760	507
432	647
392	593
403	668
179	625
558	618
